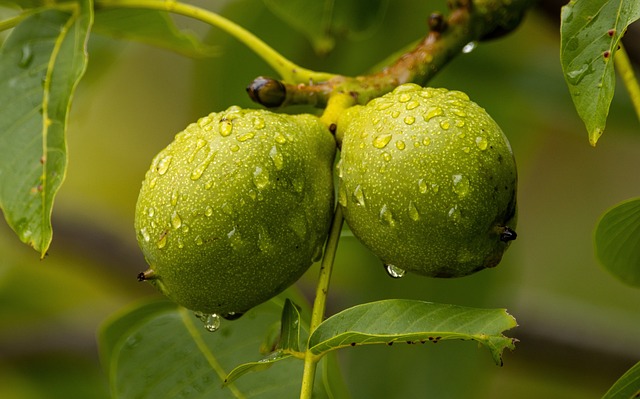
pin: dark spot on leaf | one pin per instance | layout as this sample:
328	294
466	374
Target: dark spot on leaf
353	344
606	54
611	32
390	343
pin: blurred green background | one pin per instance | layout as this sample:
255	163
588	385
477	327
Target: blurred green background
579	327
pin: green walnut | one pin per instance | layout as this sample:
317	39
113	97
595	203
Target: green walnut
427	182
236	208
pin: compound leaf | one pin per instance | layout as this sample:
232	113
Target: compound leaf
411	322
590	34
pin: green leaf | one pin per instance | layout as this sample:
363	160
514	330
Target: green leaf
159	350
590	34
150	27
290	328
411	322
41	63
323	21
617	241
260	365
627	387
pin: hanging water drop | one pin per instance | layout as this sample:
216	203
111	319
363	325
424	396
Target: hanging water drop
163	165
260	177
413	212
382	140
469	47
226	127
176	221
394	271
358	194
276	157
460	185
482	143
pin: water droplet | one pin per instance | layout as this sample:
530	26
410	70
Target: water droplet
394	271
339	168
234	148
180	243
400	144
358	194
204	121
413	212
176	221
435	187
469	47
174	197
151	211
280	139
198	240
163	164
386	156
162	242
458	95
185	228
298	183
26	56
386	217
412	105
226	127
432	113
577	75
245	136
212	322
459	123
382	140
226	208
342	195
260	177
445	124
409	120
258	123
145	234
199	145
276	157
404	97
454	214
482	143
460	185
422	186
395	114
264	241
426	141
208	211
234	239
383	105
458	112
199	170
466	150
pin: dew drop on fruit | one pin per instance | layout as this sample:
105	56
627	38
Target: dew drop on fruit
386	217
400	145
226	127
200	143
234	148
199	170
264	242
208	211
276	157
151	211
145	234
204	121
152	182
460	185
174	197
426	141
176	221
454	214
422	186
163	165
211	321
162	242
413	212
245	136
432	113
258	123
412	105
280	139
445	124
198	240
409	120
394	271
404	97
226	208
180	243
185	228
386	156
339	168
482	143
260	177
358	194
458	112
342	195
382	140
383	105
232	315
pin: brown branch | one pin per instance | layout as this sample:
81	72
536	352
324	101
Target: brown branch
469	21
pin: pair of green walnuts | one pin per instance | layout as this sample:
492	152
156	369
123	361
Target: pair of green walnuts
240	204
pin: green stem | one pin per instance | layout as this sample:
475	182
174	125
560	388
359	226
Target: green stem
625	69
319	304
288	71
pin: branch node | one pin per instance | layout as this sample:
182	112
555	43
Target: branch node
267	91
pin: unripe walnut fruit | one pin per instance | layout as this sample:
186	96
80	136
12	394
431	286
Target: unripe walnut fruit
427	181
236	208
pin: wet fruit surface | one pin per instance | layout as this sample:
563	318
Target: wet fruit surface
236	208
427	182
